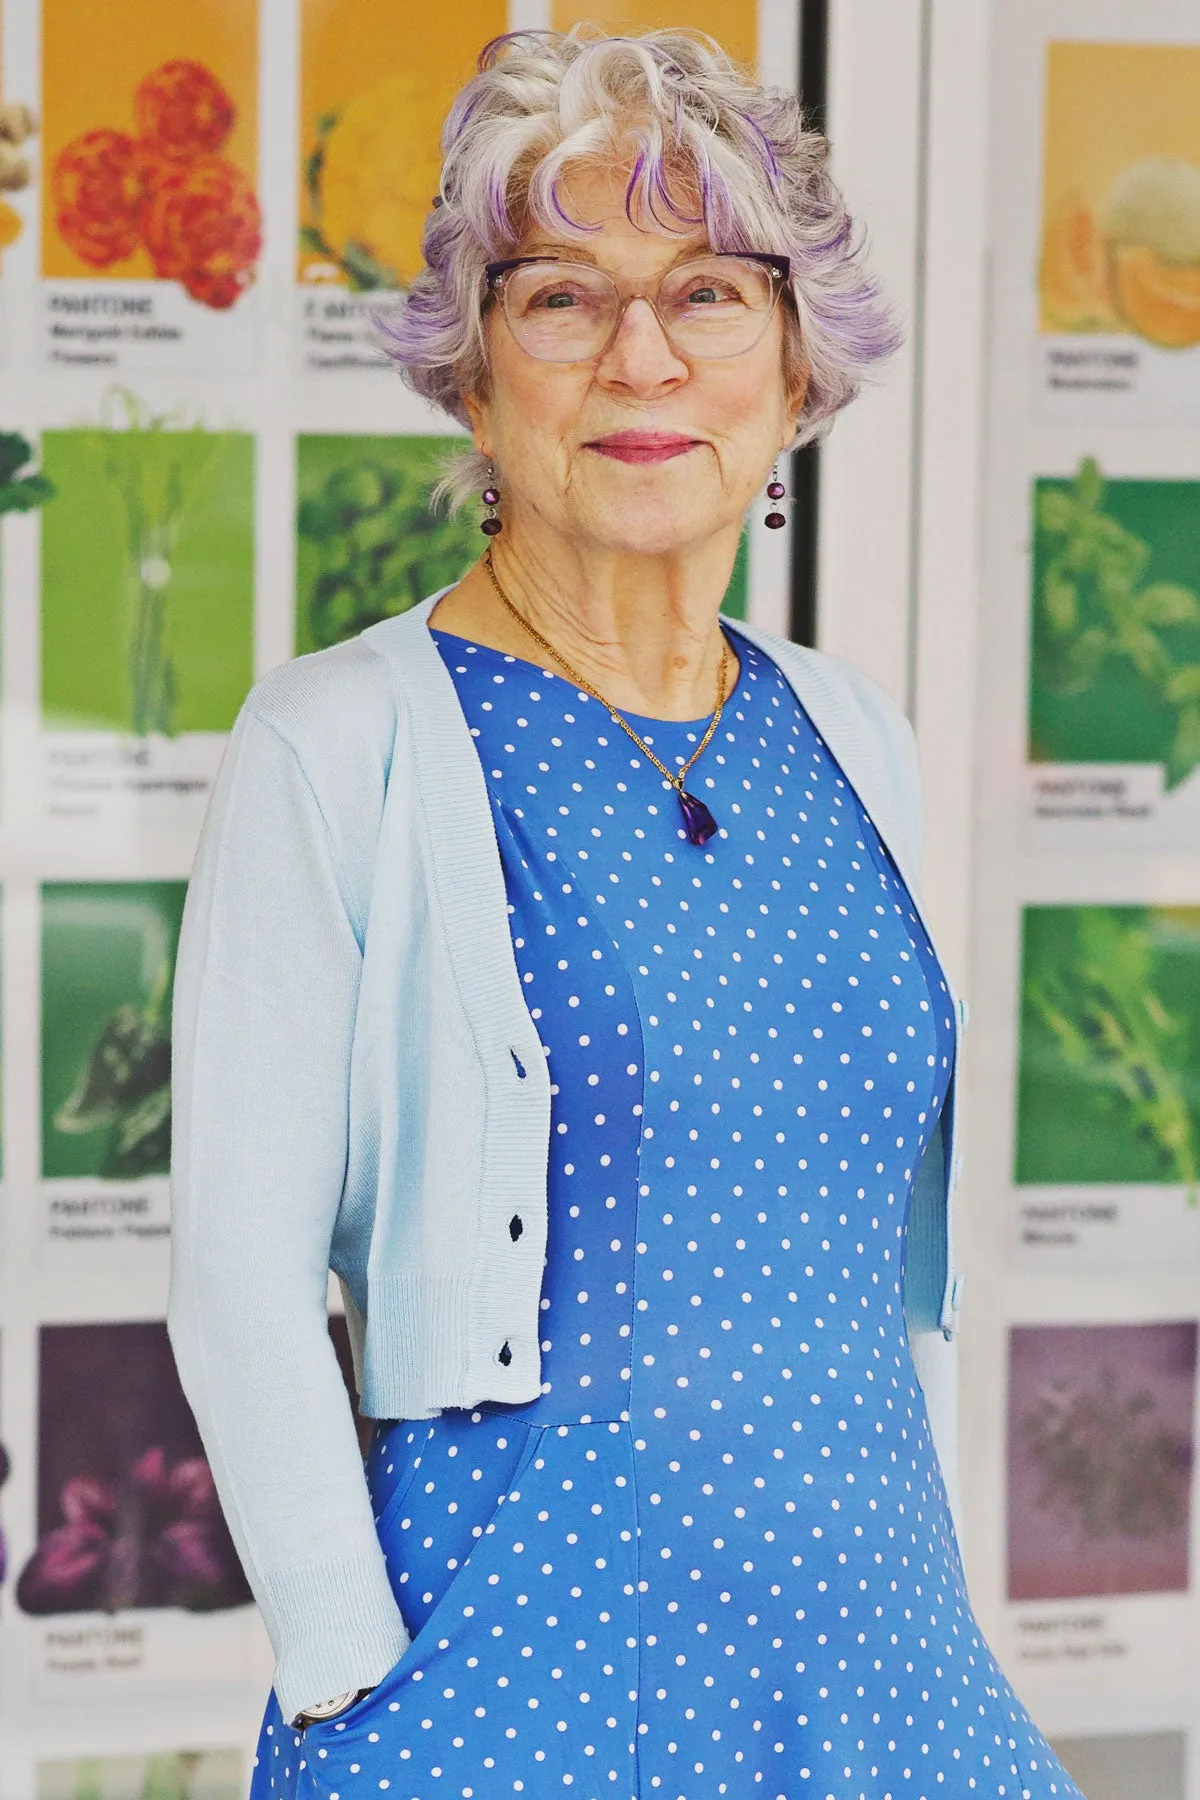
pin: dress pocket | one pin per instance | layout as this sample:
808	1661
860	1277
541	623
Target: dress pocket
444	1509
393	1464
516	1554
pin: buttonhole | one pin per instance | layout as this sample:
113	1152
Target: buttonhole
515	1227
520	1066
504	1353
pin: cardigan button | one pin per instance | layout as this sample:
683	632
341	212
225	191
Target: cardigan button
504	1353
515	1227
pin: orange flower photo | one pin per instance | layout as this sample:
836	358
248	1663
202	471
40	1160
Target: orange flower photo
160	179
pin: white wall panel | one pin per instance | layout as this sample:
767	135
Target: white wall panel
864	549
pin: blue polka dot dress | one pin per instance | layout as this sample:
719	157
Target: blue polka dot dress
715	1556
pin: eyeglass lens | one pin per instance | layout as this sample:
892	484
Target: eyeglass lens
565	312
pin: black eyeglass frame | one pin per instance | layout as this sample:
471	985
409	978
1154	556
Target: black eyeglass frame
779	266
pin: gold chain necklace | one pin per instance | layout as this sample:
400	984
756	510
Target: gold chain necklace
698	822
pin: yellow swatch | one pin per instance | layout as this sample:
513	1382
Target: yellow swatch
734	23
374	92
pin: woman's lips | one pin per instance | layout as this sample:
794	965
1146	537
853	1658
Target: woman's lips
643	446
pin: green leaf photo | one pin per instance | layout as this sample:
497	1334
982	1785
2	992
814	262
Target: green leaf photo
22	488
108	963
1109	1085
1115	643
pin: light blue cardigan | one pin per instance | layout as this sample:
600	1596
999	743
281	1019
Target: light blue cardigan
358	1085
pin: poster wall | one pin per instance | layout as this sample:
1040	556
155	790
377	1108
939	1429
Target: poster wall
1085	980
206	467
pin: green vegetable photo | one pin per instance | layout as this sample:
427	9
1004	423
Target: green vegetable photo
1115	643
1109	1084
108	965
147	573
370	544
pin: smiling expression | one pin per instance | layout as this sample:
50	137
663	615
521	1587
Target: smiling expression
637	450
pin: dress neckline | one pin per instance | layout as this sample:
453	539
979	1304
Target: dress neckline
649	720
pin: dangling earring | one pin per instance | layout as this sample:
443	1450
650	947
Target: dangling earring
775	491
491	526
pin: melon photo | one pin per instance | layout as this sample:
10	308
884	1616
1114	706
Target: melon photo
1132	265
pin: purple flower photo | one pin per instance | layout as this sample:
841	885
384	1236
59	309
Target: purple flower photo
1100	1452
127	1510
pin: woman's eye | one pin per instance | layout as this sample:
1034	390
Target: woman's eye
556	299
710	294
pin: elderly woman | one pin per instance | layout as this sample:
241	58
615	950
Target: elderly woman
552	972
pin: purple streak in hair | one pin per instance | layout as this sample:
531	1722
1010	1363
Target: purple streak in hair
634	179
489	56
656	190
561	212
709	115
770	161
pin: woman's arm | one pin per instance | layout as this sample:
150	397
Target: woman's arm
265	993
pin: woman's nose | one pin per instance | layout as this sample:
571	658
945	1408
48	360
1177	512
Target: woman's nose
640	355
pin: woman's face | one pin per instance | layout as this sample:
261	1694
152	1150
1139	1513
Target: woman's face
543	421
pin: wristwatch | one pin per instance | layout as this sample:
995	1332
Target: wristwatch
329	1709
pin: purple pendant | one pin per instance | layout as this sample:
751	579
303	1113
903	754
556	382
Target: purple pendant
698	822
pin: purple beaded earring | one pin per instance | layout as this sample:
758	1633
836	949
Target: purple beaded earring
775	491
491	526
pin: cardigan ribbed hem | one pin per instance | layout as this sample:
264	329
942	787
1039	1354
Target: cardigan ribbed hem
444	1349
322	1659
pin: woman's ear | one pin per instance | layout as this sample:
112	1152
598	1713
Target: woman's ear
477	419
796	396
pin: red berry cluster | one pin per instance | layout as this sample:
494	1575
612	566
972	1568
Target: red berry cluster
167	188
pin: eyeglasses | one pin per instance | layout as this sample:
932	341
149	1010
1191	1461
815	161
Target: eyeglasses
715	305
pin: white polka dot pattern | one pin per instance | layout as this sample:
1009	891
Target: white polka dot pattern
714	1557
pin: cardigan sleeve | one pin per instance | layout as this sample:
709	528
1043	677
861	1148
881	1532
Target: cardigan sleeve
935	1359
266	988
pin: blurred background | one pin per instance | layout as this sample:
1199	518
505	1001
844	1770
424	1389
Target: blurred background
205	470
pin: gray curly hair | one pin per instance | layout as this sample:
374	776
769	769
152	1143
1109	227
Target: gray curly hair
694	130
